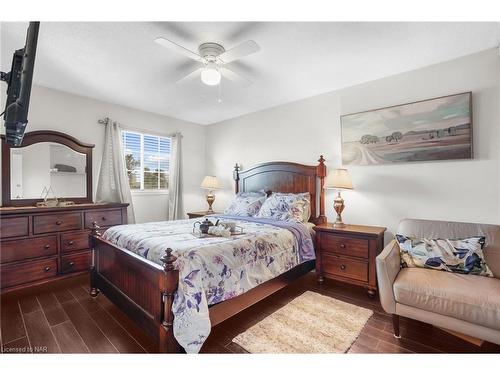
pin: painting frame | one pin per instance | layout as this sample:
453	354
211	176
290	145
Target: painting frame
466	147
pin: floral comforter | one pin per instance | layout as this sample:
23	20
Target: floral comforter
213	269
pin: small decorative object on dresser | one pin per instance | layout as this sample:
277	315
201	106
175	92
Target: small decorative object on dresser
339	179
210	183
197	214
348	254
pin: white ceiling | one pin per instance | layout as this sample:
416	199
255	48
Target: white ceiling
119	62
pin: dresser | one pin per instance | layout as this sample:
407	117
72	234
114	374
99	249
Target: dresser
43	244
348	254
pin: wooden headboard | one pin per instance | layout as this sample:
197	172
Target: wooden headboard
286	177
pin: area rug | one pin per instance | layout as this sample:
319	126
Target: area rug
311	323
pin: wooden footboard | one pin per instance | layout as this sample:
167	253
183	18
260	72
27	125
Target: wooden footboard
140	288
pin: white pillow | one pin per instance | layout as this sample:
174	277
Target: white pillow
287	207
246	204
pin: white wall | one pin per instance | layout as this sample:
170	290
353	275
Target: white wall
301	131
77	116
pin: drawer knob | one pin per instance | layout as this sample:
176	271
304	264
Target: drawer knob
47	269
58	222
71	264
342	245
47	246
342	267
70	243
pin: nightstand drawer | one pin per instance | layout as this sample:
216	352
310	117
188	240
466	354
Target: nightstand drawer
345	267
356	247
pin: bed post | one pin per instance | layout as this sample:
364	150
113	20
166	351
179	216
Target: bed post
169	282
321	172
236	177
93	235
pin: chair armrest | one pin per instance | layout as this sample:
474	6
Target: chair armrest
388	266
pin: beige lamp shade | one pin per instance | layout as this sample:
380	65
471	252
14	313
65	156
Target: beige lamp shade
338	179
210	183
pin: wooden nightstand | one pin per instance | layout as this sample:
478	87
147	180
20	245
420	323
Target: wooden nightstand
348	254
193	215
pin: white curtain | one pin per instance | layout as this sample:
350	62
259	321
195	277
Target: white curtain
174	187
112	185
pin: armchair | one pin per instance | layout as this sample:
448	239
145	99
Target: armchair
468	304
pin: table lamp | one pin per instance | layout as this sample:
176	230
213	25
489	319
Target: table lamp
210	183
339	179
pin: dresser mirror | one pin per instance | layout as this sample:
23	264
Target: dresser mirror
47	166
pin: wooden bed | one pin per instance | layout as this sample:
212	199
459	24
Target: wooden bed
145	290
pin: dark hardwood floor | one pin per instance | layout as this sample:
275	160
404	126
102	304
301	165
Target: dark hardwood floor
62	318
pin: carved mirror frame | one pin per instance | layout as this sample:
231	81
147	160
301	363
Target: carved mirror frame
37	137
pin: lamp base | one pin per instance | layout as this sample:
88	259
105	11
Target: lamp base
339	224
210	201
338	206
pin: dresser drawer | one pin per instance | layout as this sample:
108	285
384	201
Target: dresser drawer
345	267
13	250
57	223
75	241
14	226
103	218
76	262
17	274
356	247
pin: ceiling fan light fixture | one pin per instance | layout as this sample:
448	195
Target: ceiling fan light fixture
210	75
213	58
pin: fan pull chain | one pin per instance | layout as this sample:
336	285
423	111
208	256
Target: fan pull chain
219	100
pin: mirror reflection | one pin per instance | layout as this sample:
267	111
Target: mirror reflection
47	169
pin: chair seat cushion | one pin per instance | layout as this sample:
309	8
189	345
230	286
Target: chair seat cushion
471	298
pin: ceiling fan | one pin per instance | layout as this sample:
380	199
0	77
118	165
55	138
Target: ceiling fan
214	58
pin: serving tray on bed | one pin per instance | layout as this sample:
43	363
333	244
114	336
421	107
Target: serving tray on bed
197	233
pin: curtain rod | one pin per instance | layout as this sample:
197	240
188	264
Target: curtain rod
105	121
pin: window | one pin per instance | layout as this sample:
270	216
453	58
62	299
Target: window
147	160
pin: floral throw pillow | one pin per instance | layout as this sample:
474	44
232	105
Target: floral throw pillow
246	204
463	255
287	207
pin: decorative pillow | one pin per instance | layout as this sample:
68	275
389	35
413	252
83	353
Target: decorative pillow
246	203
463	255
287	207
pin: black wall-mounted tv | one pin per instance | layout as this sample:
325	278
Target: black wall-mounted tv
19	81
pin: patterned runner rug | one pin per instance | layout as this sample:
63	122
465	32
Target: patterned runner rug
311	323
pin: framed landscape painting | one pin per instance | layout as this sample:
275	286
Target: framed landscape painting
434	129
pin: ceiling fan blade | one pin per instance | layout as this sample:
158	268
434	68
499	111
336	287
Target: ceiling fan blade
241	50
178	48
190	76
235	77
